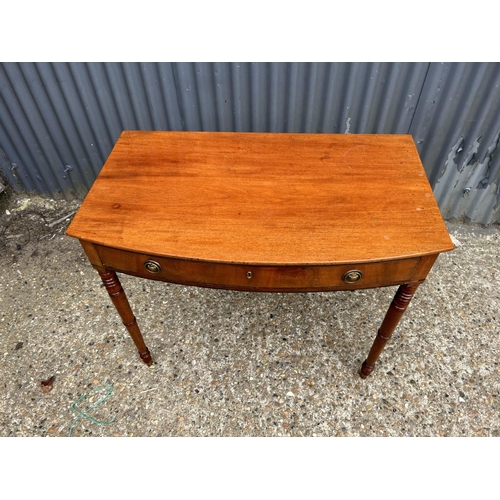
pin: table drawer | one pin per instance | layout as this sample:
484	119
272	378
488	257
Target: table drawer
258	278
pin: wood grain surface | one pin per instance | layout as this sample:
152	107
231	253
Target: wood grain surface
264	199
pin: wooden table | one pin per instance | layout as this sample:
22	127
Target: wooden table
263	213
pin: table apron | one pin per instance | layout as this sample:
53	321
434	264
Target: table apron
263	278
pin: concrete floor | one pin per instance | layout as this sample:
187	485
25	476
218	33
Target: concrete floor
241	364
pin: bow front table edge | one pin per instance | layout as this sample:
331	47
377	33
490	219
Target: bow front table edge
263	212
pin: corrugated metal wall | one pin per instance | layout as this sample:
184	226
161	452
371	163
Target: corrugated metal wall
458	126
59	121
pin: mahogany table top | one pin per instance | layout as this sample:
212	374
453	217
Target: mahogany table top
264	199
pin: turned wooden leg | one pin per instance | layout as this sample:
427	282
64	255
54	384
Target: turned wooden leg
115	290
397	308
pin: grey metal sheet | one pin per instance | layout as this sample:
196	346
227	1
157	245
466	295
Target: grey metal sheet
457	130
59	121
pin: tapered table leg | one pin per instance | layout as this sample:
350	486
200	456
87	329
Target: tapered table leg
396	310
115	290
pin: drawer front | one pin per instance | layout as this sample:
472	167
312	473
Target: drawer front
259	278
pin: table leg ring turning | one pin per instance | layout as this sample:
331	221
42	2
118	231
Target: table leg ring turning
396	310
120	301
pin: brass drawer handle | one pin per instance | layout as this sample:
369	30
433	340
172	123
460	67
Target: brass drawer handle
352	276
152	266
